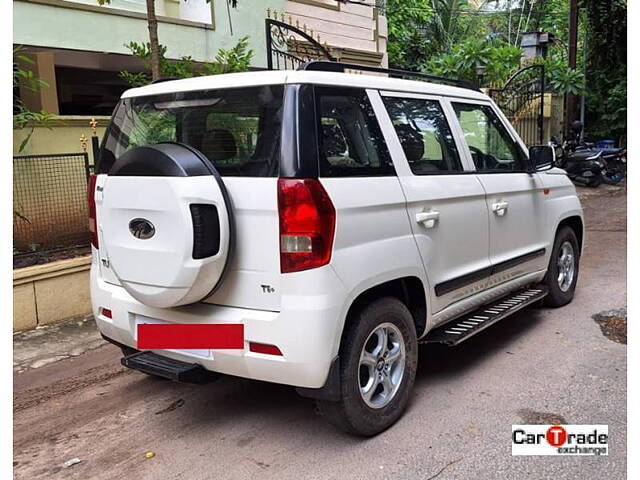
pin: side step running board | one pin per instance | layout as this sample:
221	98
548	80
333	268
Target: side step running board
462	328
151	363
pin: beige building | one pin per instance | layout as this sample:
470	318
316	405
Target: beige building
355	33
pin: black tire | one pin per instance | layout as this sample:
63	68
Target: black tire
557	297
351	413
595	182
609	181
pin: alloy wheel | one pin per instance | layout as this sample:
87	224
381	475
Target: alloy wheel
566	266
382	365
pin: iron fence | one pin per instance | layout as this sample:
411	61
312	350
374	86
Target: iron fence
50	211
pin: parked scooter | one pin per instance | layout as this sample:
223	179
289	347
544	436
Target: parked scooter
584	165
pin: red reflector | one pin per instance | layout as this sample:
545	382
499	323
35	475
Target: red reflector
161	336
546	191
91	199
307	224
264	348
106	313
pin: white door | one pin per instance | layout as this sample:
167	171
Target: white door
515	198
445	204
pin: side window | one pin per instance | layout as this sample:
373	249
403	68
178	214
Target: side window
424	134
492	148
350	142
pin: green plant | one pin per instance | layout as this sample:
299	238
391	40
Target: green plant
181	68
563	79
499	59
235	59
23	78
504	60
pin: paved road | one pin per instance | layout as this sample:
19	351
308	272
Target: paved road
538	364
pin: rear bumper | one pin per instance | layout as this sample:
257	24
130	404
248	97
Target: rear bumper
306	331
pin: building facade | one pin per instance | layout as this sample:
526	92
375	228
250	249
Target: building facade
79	47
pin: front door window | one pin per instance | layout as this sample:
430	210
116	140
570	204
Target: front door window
491	146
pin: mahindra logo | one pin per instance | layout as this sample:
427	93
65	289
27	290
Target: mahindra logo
141	228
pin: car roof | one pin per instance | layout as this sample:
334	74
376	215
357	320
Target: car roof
275	77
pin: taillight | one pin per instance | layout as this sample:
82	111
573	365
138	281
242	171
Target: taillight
307	224
91	198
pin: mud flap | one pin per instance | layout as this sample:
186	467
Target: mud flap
331	388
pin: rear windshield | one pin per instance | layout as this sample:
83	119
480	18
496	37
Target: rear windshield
238	130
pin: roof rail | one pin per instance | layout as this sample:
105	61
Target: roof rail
328	66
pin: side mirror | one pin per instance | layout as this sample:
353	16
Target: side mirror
542	157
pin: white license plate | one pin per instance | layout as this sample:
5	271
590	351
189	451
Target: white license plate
198	352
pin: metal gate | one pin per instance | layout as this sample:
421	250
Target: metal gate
288	47
522	101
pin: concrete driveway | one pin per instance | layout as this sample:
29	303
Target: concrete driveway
538	366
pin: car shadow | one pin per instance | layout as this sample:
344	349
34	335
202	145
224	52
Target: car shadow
438	360
229	401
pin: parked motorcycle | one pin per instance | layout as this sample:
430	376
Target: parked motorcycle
583	166
587	165
616	168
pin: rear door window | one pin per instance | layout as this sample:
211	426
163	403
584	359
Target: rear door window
350	141
238	130
424	134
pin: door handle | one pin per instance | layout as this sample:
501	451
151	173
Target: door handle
428	219
500	208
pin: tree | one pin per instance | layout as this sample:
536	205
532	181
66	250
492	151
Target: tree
406	19
154	43
451	22
606	26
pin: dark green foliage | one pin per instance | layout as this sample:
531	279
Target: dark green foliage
407	43
607	69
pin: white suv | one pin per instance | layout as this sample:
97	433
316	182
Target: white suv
338	219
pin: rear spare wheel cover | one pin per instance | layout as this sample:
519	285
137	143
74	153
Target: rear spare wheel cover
166	224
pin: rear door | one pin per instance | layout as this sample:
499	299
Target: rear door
238	130
446	206
515	198
373	240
